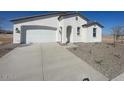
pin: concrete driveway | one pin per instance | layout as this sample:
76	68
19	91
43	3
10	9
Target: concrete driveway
119	78
45	62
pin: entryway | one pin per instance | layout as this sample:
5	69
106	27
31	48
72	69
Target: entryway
68	33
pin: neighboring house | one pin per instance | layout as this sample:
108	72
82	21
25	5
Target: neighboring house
63	27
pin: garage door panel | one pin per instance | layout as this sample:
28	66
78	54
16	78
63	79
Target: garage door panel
39	36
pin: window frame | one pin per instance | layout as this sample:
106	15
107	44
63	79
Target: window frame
76	18
78	31
94	32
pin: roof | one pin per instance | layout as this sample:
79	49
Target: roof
71	14
60	14
28	17
93	23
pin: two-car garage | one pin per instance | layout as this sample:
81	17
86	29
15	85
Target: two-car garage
41	35
36	29
38	34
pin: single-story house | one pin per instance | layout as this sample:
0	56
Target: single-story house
63	27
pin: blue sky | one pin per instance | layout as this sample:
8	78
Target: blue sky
107	19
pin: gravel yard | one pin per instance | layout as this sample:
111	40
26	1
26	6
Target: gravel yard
6	44
103	57
7	48
4	49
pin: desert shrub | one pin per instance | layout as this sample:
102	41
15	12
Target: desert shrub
75	48
117	56
90	51
98	61
107	46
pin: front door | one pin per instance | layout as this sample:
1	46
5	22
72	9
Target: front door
68	34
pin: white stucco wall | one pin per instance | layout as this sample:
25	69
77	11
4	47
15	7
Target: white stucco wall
86	34
16	36
74	23
59	37
52	22
90	37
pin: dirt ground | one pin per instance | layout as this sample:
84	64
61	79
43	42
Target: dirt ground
5	39
105	58
7	48
6	44
107	39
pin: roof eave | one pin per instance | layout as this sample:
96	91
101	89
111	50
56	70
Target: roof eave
28	17
95	23
61	17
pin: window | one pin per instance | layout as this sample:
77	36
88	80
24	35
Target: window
78	30
94	32
76	18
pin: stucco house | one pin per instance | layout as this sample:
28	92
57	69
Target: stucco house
63	27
